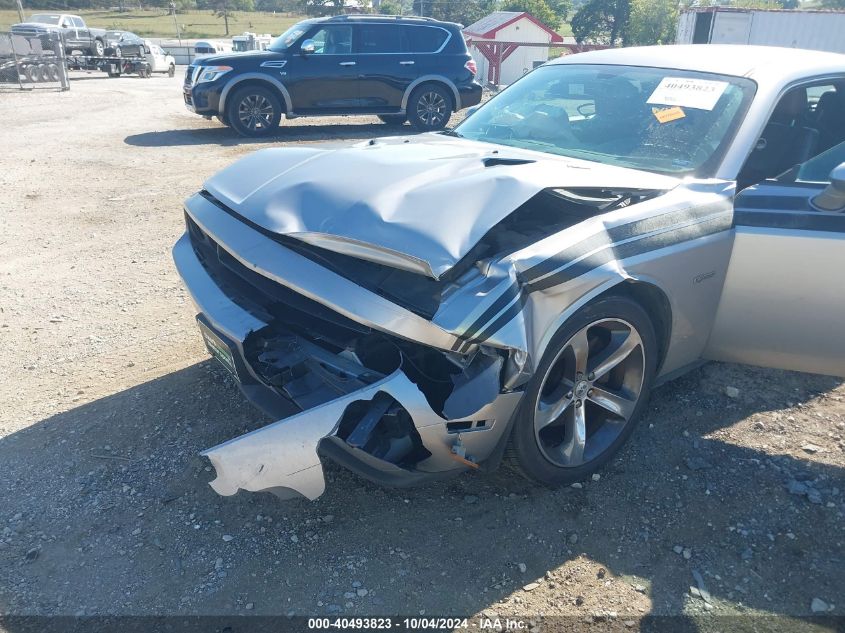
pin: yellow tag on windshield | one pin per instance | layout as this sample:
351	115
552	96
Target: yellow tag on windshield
665	115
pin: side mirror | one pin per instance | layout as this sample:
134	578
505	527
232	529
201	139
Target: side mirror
308	47
833	196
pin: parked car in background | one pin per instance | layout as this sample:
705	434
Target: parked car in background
251	42
159	60
416	306
401	69
77	36
204	49
123	43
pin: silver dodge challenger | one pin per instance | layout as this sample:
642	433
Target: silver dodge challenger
414	307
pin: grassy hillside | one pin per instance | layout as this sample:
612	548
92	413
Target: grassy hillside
157	23
193	24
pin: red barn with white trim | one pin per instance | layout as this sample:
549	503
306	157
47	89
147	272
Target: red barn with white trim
494	44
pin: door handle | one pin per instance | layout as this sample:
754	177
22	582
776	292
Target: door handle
347	63
406	63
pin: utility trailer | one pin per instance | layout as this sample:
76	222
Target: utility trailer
113	66
30	69
28	60
819	30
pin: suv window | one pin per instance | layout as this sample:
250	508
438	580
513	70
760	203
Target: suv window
425	39
381	38
333	40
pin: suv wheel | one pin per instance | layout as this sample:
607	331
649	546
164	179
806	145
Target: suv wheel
254	111
393	119
429	108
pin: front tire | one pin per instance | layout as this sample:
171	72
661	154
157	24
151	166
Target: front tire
171	70
587	394
254	111
429	108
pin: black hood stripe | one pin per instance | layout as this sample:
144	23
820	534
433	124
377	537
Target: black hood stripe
574	269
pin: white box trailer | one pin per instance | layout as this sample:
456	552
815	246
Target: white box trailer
813	29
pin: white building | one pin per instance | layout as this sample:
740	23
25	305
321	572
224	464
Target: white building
508	44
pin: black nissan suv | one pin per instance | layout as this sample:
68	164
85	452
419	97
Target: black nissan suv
399	68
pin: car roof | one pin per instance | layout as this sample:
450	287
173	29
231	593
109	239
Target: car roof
382	19
764	64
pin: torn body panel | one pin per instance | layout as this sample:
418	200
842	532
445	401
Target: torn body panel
283	456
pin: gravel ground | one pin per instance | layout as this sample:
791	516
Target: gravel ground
728	500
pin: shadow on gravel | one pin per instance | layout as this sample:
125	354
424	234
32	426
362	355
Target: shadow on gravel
104	509
288	132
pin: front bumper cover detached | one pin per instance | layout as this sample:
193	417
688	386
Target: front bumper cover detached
284	457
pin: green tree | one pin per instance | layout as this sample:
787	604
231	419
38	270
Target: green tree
226	9
464	12
652	22
602	22
562	8
540	9
324	7
394	7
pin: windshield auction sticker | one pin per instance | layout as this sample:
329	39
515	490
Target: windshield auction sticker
700	94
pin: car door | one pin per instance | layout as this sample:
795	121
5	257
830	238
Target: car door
782	304
70	33
156	59
326	79
386	66
83	36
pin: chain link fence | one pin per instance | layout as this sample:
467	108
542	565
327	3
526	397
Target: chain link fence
29	62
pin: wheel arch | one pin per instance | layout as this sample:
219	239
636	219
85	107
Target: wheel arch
256	79
655	302
645	292
438	80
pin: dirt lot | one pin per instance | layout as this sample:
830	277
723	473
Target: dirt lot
107	396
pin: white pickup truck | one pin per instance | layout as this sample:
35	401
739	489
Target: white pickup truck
77	36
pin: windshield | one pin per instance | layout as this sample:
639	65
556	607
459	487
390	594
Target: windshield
289	37
655	119
239	46
44	18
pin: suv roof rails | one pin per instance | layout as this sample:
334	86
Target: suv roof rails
358	16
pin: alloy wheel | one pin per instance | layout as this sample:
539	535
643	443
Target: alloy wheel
255	112
589	392
431	108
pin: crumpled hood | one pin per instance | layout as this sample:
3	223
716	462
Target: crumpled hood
418	203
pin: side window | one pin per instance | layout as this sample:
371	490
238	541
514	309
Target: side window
78	23
381	38
806	122
425	39
818	168
333	40
67	23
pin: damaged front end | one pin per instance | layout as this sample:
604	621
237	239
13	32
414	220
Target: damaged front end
393	410
401	365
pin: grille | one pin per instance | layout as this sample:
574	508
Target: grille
191	75
267	299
